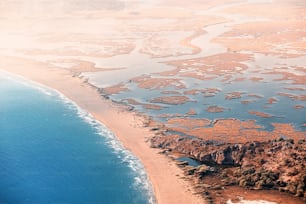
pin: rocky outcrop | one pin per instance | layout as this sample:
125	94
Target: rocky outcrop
205	151
276	164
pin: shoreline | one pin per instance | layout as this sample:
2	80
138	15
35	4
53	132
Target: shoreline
164	176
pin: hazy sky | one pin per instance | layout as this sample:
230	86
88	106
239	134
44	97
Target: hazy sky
50	7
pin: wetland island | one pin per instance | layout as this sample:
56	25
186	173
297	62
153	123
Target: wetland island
206	99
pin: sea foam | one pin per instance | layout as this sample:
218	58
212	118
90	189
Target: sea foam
141	180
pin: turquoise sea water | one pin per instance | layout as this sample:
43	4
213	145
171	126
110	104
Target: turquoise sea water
53	152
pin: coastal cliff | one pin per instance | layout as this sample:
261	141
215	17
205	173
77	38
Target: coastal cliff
277	164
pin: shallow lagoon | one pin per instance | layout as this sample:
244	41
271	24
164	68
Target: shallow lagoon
282	111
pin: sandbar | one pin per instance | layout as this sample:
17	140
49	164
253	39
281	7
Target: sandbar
164	175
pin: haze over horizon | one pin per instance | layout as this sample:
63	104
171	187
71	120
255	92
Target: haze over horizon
200	77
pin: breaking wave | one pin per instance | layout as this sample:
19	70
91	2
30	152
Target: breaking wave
141	180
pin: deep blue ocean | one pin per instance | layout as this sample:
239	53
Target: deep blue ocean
53	152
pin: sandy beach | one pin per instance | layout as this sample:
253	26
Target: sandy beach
204	81
164	175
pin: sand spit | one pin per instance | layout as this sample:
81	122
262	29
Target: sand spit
127	126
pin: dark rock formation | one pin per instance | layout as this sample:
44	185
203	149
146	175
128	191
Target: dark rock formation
277	164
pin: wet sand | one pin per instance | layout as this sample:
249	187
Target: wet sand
127	126
208	62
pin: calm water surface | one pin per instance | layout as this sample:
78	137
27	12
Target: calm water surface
53	152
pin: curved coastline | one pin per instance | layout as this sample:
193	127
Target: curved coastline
141	180
127	126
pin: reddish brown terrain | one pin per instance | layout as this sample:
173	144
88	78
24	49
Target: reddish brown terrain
221	82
